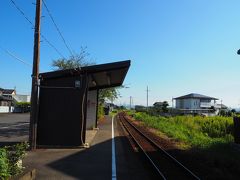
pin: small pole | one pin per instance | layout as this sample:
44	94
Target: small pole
130	102
147	97
35	72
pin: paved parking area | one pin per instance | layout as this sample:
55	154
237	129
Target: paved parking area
14	127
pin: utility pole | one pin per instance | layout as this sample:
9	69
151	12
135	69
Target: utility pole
147	97
35	72
130	102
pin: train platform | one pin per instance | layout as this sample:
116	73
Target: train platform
110	156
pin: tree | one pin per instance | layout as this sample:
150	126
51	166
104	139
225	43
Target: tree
157	106
81	60
222	112
74	61
212	109
108	94
139	108
164	106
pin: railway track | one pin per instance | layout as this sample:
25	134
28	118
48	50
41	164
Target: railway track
165	165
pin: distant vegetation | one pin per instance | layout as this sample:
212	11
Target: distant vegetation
22	107
195	131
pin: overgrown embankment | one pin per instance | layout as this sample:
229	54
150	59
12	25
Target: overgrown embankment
196	131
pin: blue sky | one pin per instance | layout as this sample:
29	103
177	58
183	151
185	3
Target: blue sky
176	47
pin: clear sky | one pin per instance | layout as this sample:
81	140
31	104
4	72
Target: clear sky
176	47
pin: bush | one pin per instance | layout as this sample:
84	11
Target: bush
23	106
10	158
100	111
4	164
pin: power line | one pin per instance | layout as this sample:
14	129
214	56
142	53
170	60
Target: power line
50	44
30	22
15	57
21	11
57	28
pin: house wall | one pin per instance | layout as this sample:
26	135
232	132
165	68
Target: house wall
188	103
6	109
22	98
91	109
195	103
179	104
4	103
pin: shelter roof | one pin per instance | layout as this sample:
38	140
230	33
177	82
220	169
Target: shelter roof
100	76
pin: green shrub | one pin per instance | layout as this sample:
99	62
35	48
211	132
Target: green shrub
100	111
23	106
10	157
4	164
15	154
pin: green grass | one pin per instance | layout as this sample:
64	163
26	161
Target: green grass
113	113
197	131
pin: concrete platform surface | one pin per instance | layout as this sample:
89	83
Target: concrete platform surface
94	163
90	134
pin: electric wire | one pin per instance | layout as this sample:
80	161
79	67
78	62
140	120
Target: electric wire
30	22
15	57
50	44
21	11
57	28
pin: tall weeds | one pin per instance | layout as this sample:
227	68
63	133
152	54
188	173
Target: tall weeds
195	131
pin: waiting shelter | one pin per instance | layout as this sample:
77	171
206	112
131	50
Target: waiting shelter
68	102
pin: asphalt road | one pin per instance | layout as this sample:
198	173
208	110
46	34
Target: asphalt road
14	128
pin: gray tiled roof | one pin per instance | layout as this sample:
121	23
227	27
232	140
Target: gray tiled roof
8	91
195	96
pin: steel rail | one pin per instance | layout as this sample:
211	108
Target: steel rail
157	146
157	169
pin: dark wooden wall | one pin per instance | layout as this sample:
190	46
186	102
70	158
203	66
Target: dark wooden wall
61	109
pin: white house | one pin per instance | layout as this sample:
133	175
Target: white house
197	103
21	98
9	98
6	100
